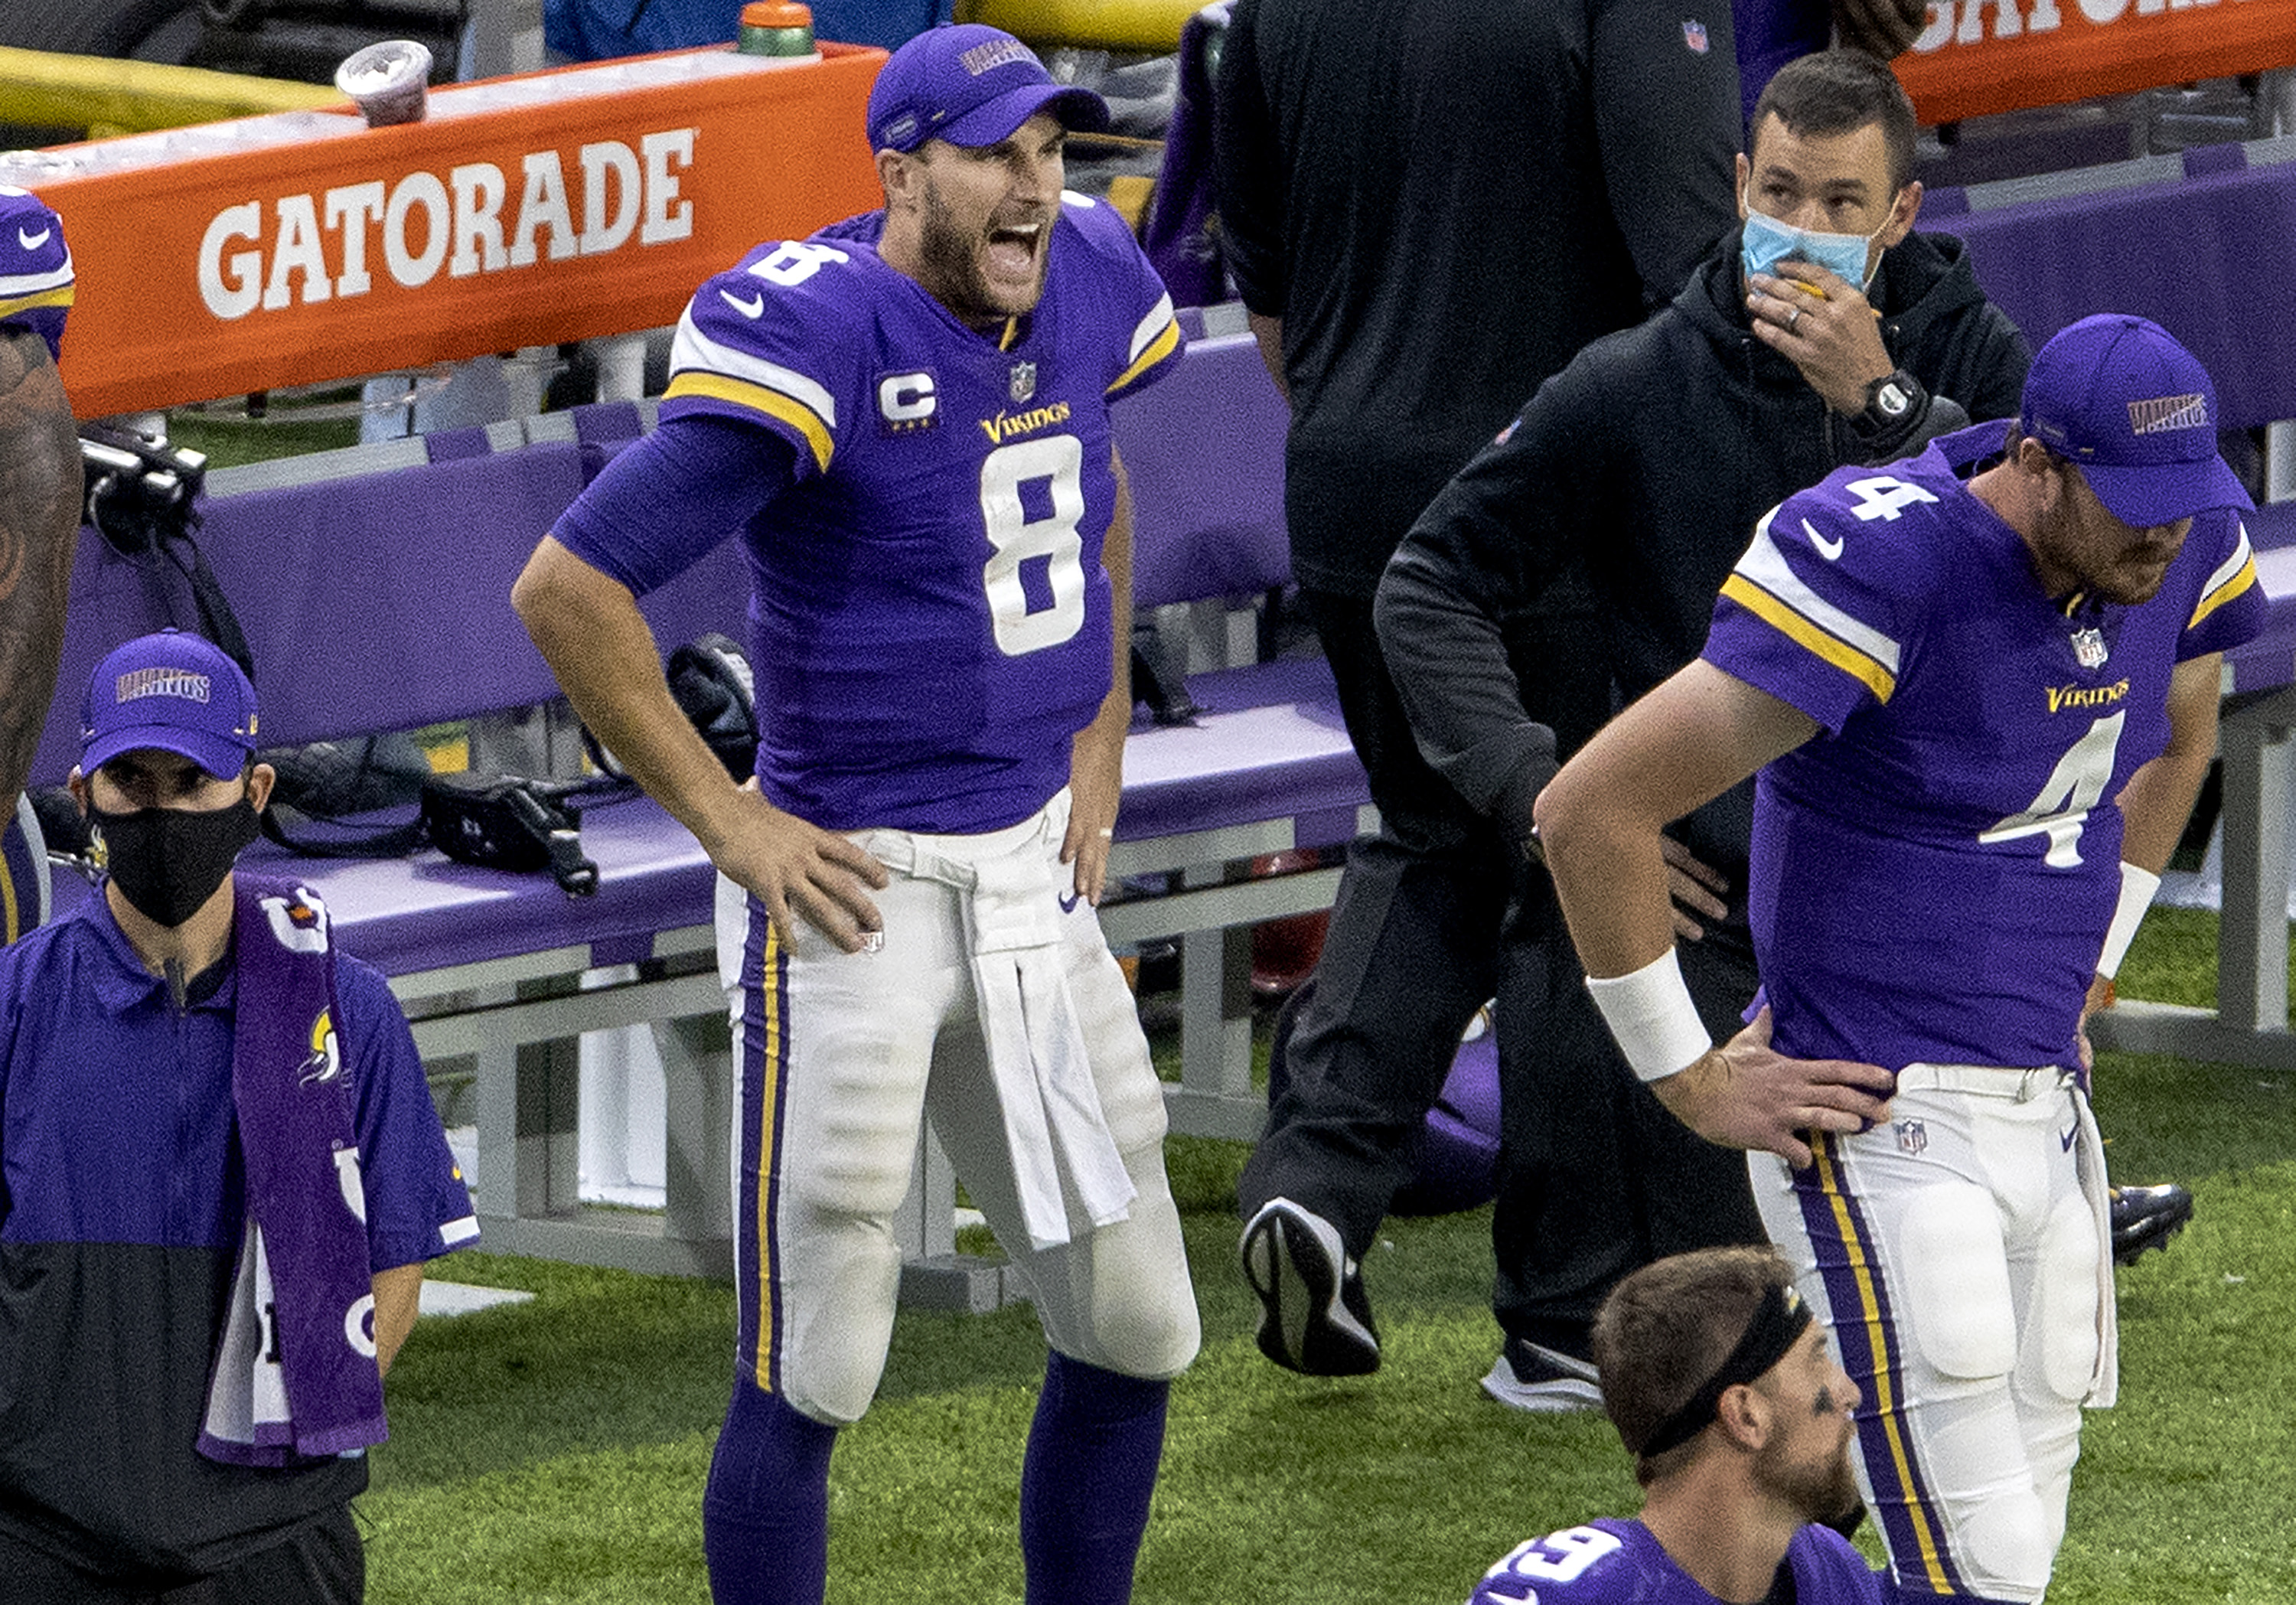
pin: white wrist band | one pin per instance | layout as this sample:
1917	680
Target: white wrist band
1652	1019
2136	888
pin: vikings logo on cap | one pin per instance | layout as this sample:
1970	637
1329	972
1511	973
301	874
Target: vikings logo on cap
2168	413
141	683
2117	396
171	692
970	85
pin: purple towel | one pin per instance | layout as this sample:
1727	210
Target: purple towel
295	1373
1182	238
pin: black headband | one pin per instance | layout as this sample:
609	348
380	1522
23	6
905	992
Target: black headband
1778	1322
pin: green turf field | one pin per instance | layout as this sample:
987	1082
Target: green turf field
554	1452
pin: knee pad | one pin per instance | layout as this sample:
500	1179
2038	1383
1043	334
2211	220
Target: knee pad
1120	1299
2006	1547
2063	1337
1955	1272
836	1322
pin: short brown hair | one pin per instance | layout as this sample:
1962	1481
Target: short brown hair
1667	1328
1830	92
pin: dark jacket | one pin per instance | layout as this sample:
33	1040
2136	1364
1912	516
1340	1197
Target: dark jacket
1651	456
1443	204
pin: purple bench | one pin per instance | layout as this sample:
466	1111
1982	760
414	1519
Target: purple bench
377	599
1266	768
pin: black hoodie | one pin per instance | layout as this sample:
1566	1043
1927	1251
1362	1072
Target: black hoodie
1653	454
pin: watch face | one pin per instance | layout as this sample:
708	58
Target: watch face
1892	400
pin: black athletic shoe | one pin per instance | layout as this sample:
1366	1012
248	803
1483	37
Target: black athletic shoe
1546	1381
2147	1217
1313	1316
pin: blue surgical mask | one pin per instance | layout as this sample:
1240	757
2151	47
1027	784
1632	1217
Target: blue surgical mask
1766	242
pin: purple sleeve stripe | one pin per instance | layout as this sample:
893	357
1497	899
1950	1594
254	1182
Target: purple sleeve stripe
1859	666
755	400
1160	350
2238	585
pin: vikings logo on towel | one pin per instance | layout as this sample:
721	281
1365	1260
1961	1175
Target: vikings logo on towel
327	1060
299	924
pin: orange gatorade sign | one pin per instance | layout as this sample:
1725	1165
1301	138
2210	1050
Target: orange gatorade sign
304	246
1982	56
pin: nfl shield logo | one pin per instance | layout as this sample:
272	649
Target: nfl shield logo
1024	380
1913	1136
1693	34
2088	648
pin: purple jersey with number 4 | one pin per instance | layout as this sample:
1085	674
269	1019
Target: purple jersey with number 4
1933	872
929	620
1614	1562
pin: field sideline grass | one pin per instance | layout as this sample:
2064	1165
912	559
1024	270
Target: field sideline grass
553	1453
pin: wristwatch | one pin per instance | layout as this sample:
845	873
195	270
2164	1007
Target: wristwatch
1889	401
1893	402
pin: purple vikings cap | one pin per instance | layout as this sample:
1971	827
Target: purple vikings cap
2120	398
175	691
36	269
970	85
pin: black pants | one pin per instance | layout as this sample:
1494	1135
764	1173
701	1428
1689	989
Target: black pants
1435	916
1596	1177
1411	953
317	1562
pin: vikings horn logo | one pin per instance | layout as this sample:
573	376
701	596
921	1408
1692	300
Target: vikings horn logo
326	1059
297	923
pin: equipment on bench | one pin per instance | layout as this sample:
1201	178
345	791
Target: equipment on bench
143	494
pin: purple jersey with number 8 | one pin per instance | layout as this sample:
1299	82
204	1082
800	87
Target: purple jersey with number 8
930	619
1933	872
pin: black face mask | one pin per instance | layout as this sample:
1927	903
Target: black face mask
169	862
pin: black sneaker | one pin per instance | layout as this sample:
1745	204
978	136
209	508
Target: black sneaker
1546	1381
1313	1318
2147	1217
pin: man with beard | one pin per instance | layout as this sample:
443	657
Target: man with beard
1738	1415
906	417
1957	677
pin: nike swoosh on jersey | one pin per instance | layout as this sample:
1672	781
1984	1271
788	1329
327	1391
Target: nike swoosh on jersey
33	241
1827	549
1068	900
2068	1138
754	308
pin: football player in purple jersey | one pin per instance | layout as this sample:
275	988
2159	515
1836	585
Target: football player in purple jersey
1980	688
906	417
39	522
1738	1415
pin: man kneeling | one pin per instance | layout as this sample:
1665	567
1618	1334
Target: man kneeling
1738	1416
